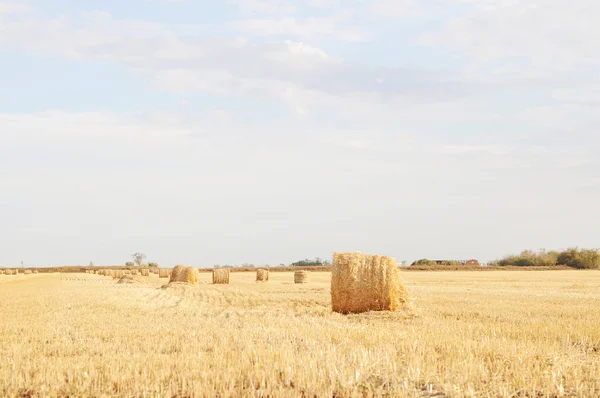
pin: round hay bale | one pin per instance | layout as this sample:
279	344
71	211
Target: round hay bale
262	275
220	276
361	283
190	275
177	271
163	273
301	277
145	272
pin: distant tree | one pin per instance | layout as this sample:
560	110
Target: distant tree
153	265
326	262
404	263
138	258
308	263
91	264
129	263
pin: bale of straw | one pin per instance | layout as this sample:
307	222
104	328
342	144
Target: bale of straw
301	277
145	272
1	272
361	283
134	272
35	271
262	275
163	273
177	271
27	272
220	276
190	275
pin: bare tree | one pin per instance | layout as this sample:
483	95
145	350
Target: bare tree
138	258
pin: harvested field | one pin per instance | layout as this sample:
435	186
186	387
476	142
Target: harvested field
86	335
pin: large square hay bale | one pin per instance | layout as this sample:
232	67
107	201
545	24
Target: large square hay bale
301	277
262	275
220	276
361	283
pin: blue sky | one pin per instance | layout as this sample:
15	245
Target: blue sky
267	131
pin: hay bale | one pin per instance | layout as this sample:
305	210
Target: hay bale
361	283
301	277
27	272
134	272
262	275
220	276
177	271
127	272
163	273
1	272
145	272
190	275
35	271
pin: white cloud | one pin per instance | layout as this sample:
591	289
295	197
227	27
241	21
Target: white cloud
13	8
279	7
396	8
308	28
550	33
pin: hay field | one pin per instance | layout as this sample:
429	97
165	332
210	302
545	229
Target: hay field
475	334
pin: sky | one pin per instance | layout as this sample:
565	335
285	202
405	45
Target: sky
269	131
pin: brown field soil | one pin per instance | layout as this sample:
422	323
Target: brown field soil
470	334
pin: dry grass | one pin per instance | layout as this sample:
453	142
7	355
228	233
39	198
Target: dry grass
220	276
85	335
262	275
301	277
362	283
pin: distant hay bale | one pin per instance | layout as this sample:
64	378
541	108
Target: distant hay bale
35	271
134	272
301	277
145	272
262	275
361	283
27	272
127	272
1	272
220	276
190	275
177	271
163	273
